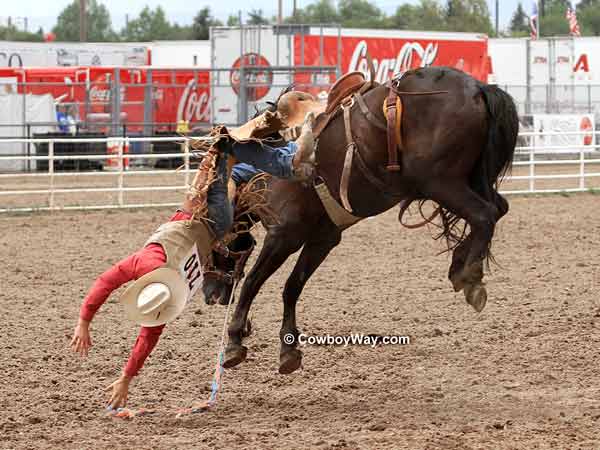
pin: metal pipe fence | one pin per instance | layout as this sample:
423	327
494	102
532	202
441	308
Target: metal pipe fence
555	98
536	169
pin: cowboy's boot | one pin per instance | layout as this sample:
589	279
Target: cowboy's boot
303	164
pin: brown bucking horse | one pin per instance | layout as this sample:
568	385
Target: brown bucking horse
456	147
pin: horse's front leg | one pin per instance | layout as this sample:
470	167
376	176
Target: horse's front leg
311	257
273	254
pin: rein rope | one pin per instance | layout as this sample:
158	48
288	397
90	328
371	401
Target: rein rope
217	381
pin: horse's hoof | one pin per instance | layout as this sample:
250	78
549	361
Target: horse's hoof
209	299
290	361
234	355
476	296
458	282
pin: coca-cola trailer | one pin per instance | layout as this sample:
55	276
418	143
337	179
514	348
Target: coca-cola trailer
552	75
143	99
320	54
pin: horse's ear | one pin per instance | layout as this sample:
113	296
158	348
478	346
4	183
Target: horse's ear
371	67
288	88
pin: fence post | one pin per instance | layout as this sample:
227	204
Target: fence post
124	141
528	87
148	112
29	147
582	169
242	96
532	167
51	172
186	161
116	102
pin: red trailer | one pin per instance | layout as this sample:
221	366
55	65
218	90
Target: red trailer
88	93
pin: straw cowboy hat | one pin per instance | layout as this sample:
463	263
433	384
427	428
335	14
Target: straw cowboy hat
156	298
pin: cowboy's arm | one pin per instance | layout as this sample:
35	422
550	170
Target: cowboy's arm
104	285
142	348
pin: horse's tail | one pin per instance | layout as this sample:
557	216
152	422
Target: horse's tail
496	158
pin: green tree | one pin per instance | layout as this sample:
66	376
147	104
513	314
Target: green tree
588	15
428	15
256	17
468	15
321	11
148	26
233	20
12	33
181	32
202	23
360	14
519	23
99	27
553	22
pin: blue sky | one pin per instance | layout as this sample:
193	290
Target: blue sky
43	12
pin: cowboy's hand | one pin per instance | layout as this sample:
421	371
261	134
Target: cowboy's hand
81	341
120	390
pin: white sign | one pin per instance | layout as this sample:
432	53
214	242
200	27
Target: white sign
576	130
52	54
191	271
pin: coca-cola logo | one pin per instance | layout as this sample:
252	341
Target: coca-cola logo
102	94
99	95
411	55
194	105
258	82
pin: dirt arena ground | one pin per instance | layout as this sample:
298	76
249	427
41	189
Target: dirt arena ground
523	374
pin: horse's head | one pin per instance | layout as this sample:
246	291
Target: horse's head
291	107
218	283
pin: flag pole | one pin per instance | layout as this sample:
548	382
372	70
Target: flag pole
539	19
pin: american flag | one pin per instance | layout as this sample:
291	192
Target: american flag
533	21
572	19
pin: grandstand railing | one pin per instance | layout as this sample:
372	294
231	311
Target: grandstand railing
577	169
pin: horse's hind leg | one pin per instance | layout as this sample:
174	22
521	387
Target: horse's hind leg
311	257
275	251
461	252
481	216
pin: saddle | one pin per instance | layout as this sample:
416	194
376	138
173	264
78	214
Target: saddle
343	88
347	91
